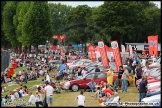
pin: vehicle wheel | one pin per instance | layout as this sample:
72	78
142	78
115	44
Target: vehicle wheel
75	87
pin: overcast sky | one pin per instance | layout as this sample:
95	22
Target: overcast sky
91	4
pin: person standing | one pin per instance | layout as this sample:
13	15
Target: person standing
119	81
81	99
142	89
110	75
49	91
47	77
38	97
139	72
124	78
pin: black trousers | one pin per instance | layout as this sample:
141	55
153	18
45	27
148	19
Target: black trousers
80	106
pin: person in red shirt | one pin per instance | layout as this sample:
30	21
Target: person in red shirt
108	90
102	84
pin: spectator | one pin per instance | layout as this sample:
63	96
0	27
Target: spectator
143	63
31	99
81	99
98	93
91	85
139	72
124	78
38	97
47	77
142	89
66	84
147	71
97	69
119	81
110	75
49	91
84	72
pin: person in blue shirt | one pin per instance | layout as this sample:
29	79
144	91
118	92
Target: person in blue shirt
142	89
91	85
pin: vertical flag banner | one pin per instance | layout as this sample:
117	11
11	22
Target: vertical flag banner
150	44
61	51
110	54
91	51
123	48
130	51
97	51
103	54
155	45
116	52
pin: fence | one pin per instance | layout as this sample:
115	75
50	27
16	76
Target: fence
5	60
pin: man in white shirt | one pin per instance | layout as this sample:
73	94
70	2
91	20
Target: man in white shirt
49	94
81	99
143	64
84	72
147	71
116	98
47	77
31	99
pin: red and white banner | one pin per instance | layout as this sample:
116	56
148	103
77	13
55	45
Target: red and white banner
97	51
130	51
110	54
91	51
103	54
61	51
155	45
116	52
150	45
123	48
54	47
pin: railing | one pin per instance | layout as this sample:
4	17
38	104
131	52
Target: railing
5	60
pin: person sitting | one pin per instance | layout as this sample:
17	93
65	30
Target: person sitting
91	85
116	98
71	77
4	89
104	98
66	84
31	99
98	93
107	90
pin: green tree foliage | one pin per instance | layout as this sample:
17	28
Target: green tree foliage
59	12
37	24
7	23
76	23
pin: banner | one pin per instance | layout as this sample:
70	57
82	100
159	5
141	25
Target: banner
61	51
97	51
123	48
91	51
155	45
150	44
116	52
103	54
130	51
110	54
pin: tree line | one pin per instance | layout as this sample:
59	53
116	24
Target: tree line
32	23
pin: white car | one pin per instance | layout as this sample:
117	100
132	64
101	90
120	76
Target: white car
155	84
80	63
155	98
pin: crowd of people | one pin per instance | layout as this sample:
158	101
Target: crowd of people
39	66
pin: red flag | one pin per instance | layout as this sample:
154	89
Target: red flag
103	54
110	54
116	52
91	51
150	44
155	45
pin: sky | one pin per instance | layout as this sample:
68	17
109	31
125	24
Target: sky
91	4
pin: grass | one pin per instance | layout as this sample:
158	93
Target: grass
67	98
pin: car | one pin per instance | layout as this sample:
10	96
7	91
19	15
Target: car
154	90
79	63
155	98
155	84
75	85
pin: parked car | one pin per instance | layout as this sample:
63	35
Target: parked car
153	90
81	62
155	84
155	98
75	85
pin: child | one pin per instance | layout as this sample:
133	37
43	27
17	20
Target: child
98	93
81	99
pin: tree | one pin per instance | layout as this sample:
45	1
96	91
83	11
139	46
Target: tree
59	12
7	23
37	24
21	11
76	23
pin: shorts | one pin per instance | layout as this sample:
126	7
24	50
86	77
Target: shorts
49	99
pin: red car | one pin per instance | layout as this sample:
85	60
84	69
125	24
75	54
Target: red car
75	85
